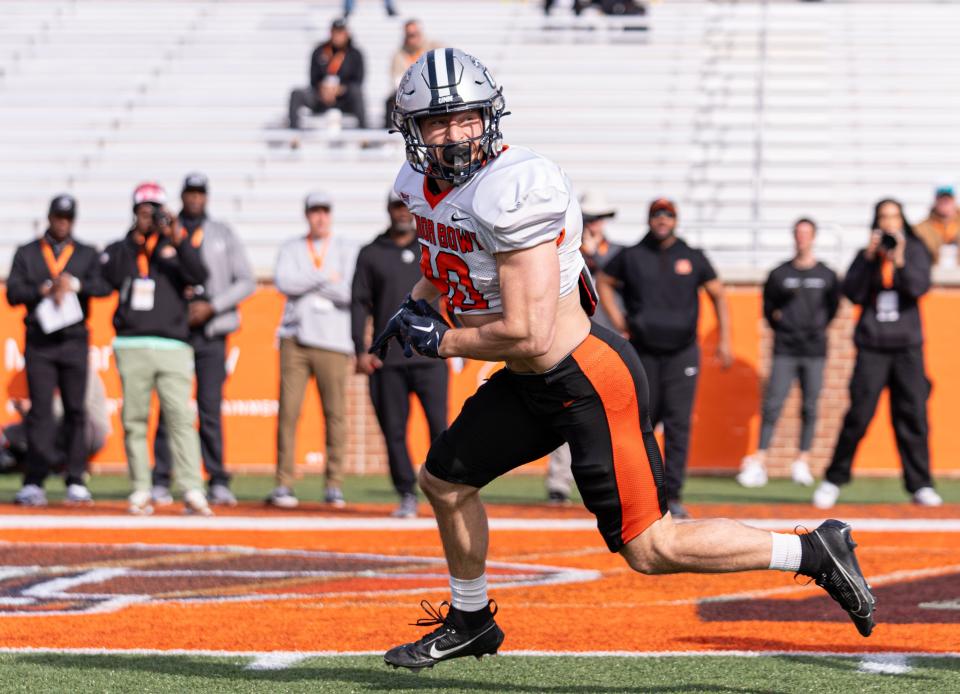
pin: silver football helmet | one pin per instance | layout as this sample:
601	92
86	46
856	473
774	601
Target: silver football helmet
447	80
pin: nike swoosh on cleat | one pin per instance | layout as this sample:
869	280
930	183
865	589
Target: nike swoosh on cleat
436	653
421	328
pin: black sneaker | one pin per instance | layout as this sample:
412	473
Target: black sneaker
839	574
446	642
557	499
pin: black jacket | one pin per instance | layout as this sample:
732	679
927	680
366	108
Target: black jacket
863	285
807	301
29	272
384	276
350	71
661	293
172	268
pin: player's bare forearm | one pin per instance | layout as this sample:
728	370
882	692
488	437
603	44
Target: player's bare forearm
425	290
530	288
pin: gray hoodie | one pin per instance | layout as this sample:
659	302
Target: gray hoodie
317	311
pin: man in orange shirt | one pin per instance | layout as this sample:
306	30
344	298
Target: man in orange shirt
943	224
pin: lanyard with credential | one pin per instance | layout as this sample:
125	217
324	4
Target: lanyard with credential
318	259
55	265
144	253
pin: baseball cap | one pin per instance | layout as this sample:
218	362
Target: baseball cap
661	204
318	198
594	205
339	23
63	205
149	192
394	199
195	181
944	189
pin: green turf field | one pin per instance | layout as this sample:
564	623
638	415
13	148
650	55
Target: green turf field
79	674
519	489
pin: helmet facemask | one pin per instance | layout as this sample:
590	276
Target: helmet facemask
460	160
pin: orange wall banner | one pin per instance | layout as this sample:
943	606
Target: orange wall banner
726	414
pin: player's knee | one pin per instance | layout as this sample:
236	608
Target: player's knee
440	493
652	552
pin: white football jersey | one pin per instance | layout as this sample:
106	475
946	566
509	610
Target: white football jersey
518	200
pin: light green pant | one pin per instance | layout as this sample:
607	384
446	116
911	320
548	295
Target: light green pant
170	372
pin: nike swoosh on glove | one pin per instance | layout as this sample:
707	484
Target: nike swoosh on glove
394	328
422	333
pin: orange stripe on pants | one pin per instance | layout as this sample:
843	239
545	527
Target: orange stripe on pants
613	381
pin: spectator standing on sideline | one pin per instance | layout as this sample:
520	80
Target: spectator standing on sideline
212	315
659	280
887	279
386	269
151	268
597	251
414	45
54	277
800	298
314	273
336	78
940	231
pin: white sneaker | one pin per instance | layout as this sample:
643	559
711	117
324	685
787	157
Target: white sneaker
140	504
282	497
927	496
195	502
826	495
78	494
800	473
31	495
753	473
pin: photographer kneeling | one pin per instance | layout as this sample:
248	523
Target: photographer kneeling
151	268
887	278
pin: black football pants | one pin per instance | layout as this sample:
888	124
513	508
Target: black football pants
52	365
210	357
903	372
390	389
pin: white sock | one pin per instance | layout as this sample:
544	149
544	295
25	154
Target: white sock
786	552
469	594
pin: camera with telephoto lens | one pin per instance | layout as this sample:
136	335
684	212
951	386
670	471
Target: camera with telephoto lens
161	218
888	241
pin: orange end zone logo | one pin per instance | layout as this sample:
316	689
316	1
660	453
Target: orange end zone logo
54	579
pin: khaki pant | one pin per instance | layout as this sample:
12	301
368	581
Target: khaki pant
170	373
559	474
330	370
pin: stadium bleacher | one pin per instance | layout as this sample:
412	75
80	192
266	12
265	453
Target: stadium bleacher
748	114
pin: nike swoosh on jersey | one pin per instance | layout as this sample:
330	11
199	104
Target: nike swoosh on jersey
437	653
458	218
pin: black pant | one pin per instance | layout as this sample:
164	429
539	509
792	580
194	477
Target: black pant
349	102
53	364
672	378
210	357
390	389
902	371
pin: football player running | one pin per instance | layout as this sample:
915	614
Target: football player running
499	229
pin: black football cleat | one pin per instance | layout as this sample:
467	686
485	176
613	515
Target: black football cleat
839	574
446	642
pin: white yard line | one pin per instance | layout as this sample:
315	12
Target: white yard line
878	656
885	664
301	523
275	661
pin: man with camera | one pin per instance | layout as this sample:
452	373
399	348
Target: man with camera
212	315
887	278
151	268
54	277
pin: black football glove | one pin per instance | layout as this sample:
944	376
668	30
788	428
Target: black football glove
393	328
422	333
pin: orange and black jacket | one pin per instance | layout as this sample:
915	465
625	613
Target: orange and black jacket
29	272
346	64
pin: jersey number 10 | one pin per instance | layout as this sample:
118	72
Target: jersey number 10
452	278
